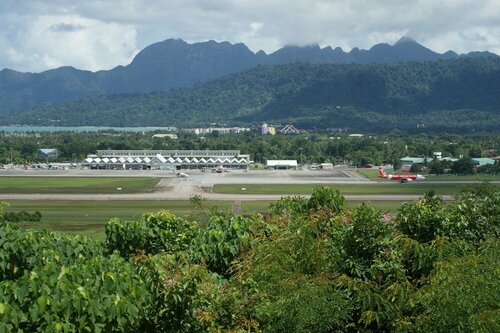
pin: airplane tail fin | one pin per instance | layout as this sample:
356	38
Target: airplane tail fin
381	173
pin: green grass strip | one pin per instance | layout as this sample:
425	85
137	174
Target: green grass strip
303	189
79	185
89	217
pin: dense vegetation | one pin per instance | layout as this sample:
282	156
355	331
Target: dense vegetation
455	95
311	266
174	63
305	148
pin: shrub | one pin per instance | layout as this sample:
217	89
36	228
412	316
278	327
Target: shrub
154	233
88	295
56	282
22	250
325	197
289	206
462	295
368	246
186	295
22	216
425	219
222	240
476	216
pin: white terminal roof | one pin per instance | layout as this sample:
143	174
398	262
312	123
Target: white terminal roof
192	157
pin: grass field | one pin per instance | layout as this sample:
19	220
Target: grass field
250	207
89	217
80	185
477	177
383	188
372	175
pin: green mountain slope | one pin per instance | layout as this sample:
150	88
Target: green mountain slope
173	63
461	94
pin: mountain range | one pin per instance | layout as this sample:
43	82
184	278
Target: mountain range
174	63
457	95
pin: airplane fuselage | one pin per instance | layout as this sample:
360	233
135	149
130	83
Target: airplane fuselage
399	177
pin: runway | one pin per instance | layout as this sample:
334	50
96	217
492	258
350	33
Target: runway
171	187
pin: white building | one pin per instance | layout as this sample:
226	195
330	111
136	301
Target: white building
281	164
166	135
221	130
166	159
289	129
326	166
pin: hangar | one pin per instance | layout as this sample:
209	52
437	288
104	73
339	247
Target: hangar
166	159
281	164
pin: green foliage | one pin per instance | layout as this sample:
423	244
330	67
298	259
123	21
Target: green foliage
221	241
3	208
463	166
367	244
476	215
304	304
186	295
199	211
288	205
311	266
52	283
21	250
285	278
425	219
89	295
462	295
322	198
325	197
196	201
437	166
480	190
22	216
154	233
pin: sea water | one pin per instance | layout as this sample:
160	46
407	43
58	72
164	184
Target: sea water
25	129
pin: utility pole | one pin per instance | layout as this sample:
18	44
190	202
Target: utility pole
301	149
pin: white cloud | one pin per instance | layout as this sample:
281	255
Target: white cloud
99	34
50	41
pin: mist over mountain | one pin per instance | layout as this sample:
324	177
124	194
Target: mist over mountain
174	63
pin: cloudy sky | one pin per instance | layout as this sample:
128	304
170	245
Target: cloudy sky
36	35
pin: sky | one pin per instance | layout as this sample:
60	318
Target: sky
38	35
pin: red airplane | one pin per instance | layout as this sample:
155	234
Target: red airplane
403	178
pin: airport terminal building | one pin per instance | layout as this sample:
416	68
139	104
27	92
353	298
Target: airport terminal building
166	159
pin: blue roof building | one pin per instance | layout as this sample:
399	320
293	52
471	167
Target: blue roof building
409	161
483	161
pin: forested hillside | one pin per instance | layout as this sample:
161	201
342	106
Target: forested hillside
455	95
174	63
